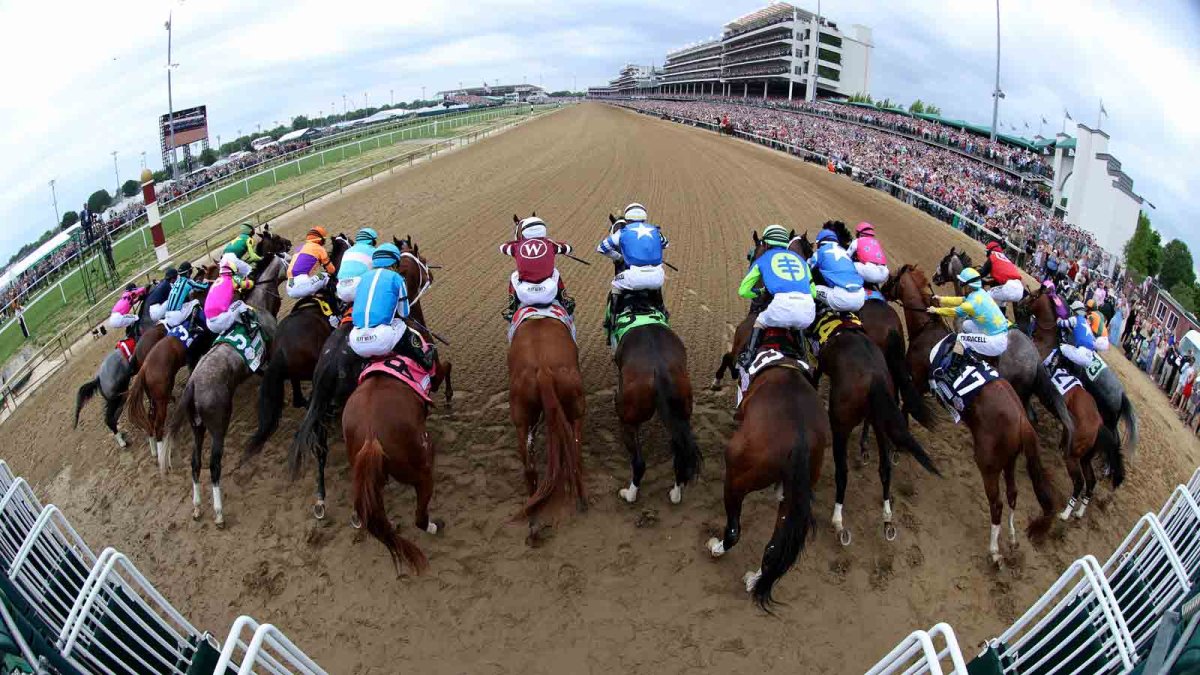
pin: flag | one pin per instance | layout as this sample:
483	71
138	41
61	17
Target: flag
1102	110
1067	114
1044	120
1027	124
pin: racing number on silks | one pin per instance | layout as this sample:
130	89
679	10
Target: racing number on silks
970	380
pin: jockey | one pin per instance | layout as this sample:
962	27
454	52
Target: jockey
123	315
639	247
1079	344
380	308
222	307
1008	286
536	280
984	328
868	255
242	248
786	281
178	306
157	297
356	262
1097	325
845	290
309	271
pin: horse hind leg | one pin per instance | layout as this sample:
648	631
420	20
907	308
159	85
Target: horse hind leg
991	486
1075	470
631	437
214	469
726	364
424	487
734	496
198	445
885	481
1089	481
298	400
841	476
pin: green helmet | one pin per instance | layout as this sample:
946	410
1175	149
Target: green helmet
247	228
775	235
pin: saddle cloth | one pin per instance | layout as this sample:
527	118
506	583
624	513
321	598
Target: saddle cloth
126	348
404	369
184	333
768	358
874	294
320	303
532	312
957	379
1063	380
829	323
251	347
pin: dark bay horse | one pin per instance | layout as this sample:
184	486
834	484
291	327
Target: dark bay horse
545	386
112	382
999	426
781	437
338	367
207	402
652	377
151	335
294	353
1106	389
861	391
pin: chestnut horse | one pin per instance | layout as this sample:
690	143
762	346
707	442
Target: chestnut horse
544	385
151	335
999	427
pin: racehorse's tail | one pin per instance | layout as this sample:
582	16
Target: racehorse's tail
86	391
673	410
1131	426
1038	527
137	403
270	402
791	532
311	434
369	479
913	402
562	467
1110	444
890	423
1048	394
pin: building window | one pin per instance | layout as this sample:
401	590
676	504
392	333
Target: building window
830	56
1160	310
828	73
831	39
1172	322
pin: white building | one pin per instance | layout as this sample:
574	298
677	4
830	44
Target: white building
695	68
1091	191
633	80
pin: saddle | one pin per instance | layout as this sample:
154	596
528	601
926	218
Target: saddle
768	358
534	312
830	323
190	329
634	317
324	306
402	368
1064	380
126	348
957	379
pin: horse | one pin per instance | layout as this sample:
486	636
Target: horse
150	336
1106	390
781	437
652	376
861	391
544	385
338	368
999	426
112	381
207	402
294	353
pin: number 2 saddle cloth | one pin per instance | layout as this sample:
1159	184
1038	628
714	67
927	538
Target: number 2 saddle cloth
957	379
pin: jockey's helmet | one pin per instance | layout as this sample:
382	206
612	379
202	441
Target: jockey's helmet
530	228
229	262
970	277
1048	284
864	229
635	212
617	226
995	246
185	267
317	234
1077	306
130	287
1091	303
171	274
826	235
775	235
385	256
367	235
247	228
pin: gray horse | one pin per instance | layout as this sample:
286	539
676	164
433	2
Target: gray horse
1020	364
207	402
112	381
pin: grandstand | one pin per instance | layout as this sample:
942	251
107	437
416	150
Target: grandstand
632	80
500	92
696	67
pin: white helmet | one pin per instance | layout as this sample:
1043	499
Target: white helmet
229	261
635	213
529	228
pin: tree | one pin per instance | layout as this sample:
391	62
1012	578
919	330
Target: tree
1176	265
916	106
161	175
1185	295
68	219
99	201
887	103
931	109
130	187
1143	251
208	156
300	122
861	98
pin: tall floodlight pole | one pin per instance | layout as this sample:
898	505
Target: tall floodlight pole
345	110
366	106
996	94
170	101
116	174
144	152
422	93
54	198
392	94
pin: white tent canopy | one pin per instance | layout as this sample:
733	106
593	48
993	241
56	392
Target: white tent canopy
37	254
1190	343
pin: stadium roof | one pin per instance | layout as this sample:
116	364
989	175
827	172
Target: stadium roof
37	254
774	10
293	135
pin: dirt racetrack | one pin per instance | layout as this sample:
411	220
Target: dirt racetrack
620	588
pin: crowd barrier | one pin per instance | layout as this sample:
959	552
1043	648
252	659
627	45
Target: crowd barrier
67	610
1137	613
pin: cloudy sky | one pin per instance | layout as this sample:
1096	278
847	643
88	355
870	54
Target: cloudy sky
83	79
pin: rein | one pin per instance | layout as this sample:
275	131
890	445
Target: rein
425	279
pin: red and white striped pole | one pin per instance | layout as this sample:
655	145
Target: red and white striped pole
153	217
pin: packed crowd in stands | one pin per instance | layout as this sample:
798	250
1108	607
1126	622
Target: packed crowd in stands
758	69
471	100
753	55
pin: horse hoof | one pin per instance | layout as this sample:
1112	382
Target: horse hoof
319	510
716	547
355	522
889	532
121	441
844	537
1065	515
436	526
676	495
895	458
220	523
750	579
196	514
997	562
629	494
715	386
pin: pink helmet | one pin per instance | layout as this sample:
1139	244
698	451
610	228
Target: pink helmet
864	228
1048	284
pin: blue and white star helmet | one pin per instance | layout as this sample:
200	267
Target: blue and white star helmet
635	213
827	235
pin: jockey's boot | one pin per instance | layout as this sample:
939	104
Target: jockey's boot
610	313
250	319
567	302
412	346
513	305
746	358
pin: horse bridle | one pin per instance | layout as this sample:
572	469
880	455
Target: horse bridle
425	279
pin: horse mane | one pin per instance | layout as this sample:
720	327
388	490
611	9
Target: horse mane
843	233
